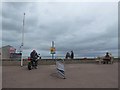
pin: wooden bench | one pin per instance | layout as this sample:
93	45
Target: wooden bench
102	60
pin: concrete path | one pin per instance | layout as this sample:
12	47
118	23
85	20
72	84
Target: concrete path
78	76
0	77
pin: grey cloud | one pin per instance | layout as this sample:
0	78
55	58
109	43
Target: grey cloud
9	25
71	26
12	11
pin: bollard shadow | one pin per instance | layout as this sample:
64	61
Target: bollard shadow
56	75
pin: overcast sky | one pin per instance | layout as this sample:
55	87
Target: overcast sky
87	28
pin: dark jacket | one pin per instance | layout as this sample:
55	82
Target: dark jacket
72	55
33	55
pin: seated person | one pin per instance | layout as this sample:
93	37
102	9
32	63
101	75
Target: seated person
67	55
107	58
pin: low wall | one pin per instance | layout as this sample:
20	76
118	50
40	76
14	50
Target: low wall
8	62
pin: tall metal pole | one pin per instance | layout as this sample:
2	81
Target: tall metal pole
52	47
22	44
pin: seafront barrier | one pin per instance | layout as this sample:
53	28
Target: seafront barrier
16	62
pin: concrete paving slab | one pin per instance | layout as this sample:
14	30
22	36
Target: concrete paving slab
78	76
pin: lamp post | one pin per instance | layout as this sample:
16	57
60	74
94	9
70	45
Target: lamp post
22	44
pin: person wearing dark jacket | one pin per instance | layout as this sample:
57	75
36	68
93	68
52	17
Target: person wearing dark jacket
107	58
72	55
34	56
67	55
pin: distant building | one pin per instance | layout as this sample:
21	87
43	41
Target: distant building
8	52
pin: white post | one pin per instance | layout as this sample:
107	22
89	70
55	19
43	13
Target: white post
52	47
22	40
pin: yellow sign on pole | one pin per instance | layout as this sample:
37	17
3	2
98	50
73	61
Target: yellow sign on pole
52	50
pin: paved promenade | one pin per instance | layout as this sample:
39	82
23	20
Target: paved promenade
0	77
78	76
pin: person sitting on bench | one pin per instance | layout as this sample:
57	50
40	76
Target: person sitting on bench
107	58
